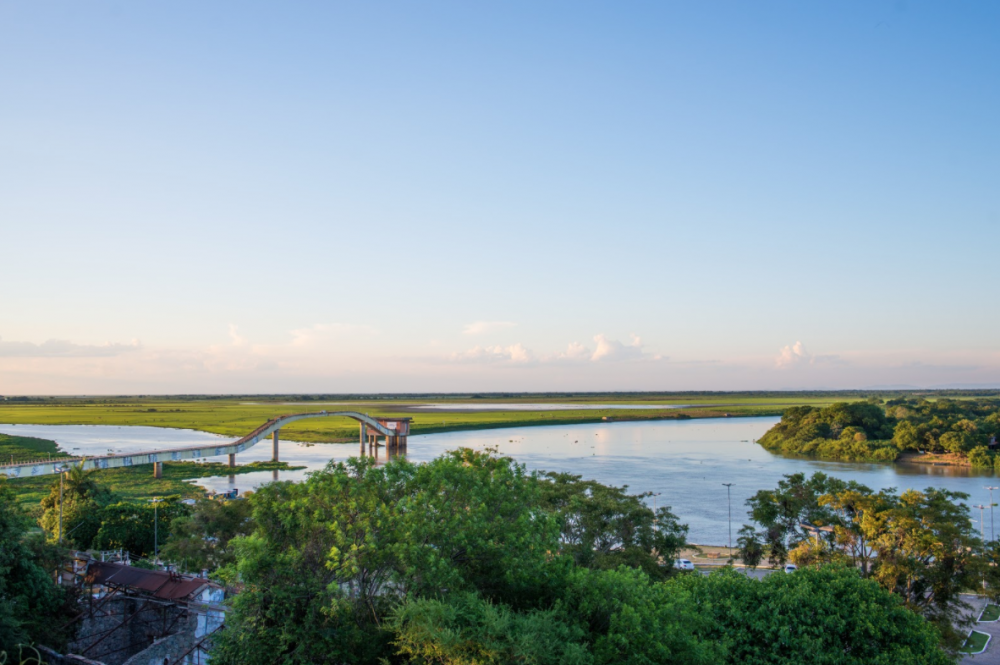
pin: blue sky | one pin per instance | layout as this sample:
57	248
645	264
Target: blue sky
262	197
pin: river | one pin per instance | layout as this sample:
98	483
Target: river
684	461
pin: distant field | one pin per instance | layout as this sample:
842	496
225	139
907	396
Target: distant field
236	416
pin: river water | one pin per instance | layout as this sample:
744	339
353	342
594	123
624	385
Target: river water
685	461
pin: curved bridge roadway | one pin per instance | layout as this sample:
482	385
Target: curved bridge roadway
395	430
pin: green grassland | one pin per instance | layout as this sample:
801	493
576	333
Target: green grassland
236	416
17	449
134	483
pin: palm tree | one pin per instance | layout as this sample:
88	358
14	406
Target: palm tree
81	483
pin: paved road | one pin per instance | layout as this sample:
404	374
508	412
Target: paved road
992	654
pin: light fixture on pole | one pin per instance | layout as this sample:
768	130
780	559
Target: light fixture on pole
982	534
156	532
991	488
729	501
62	472
655	522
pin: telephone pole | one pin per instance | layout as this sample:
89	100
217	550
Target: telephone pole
991	488
729	502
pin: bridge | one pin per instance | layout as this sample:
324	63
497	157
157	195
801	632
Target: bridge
394	430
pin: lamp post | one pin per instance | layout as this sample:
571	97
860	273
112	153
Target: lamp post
991	488
156	532
62	472
982	535
656	524
729	502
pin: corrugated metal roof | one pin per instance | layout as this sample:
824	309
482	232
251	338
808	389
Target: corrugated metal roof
160	584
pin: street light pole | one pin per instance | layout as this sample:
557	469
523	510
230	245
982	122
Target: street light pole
982	534
156	532
656	524
62	473
991	488
729	502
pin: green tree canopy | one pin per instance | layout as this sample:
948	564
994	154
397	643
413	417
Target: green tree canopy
827	616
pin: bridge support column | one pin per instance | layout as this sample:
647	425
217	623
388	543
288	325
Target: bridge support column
364	435
232	460
157	469
274	445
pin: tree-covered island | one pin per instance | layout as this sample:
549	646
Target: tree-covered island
962	432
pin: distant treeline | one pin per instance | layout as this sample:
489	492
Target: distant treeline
876	430
611	395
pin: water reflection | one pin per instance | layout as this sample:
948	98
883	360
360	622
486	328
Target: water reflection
686	461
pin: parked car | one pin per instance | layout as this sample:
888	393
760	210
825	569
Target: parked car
683	564
790	568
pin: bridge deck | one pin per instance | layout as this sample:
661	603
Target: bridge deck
31	469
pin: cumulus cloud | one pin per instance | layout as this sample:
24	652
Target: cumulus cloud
611	349
794	355
60	348
515	353
481	327
575	351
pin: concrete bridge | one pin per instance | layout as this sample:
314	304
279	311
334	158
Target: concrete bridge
394	431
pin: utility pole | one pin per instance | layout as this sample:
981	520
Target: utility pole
656	525
729	501
982	533
991	488
156	532
62	473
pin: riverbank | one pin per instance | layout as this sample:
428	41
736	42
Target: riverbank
934	459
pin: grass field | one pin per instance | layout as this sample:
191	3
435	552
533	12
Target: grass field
990	613
976	642
138	483
238	416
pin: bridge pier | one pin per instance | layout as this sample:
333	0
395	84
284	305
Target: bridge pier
157	469
232	460
274	445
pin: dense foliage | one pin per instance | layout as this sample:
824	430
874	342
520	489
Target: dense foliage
32	607
816	615
468	559
920	546
94	517
880	431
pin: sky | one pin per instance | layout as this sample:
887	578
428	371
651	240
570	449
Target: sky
245	197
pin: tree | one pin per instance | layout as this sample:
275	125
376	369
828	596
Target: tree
464	628
331	558
201	539
918	545
32	607
82	500
604	527
750	548
827	615
786	513
133	525
633	621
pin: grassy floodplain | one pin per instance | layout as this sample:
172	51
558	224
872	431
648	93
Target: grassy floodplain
237	415
132	483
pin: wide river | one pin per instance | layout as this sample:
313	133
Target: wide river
685	461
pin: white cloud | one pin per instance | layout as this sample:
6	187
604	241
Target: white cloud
793	355
515	353
60	348
481	327
575	351
612	349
